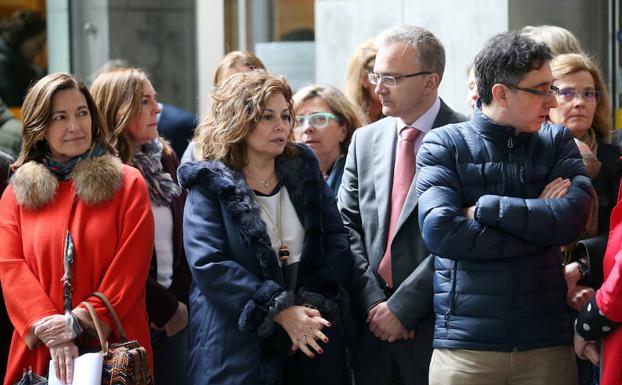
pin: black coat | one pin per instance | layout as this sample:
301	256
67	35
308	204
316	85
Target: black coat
6	329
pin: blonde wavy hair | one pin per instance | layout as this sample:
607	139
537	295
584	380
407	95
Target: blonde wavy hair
559	39
568	64
356	88
348	113
236	107
118	92
237	59
37	113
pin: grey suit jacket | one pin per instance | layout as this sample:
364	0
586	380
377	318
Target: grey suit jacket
364	199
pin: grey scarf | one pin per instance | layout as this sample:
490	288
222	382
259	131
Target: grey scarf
162	188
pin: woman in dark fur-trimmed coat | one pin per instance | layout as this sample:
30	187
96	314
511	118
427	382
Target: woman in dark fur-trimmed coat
266	247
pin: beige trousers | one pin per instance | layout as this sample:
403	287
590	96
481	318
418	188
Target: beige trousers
545	366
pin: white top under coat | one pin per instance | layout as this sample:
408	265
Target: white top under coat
293	232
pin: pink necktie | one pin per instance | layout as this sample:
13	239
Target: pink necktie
402	179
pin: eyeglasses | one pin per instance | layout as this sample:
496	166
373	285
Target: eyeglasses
316	120
545	94
391	80
568	94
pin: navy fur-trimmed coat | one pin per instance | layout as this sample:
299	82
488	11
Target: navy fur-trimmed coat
236	276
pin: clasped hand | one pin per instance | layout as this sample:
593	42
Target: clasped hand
577	295
304	326
51	330
586	350
177	322
385	325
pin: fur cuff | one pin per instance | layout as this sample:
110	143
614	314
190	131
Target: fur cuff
262	308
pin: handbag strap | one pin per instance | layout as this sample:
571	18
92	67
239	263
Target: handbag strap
98	326
113	314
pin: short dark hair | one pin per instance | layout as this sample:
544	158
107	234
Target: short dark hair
505	59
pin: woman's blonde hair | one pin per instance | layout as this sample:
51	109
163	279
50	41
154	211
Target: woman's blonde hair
237	59
348	113
37	113
118	93
236	107
558	39
361	64
567	64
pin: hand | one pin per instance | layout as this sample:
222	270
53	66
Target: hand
579	296
178	321
572	275
556	189
469	212
62	358
51	330
586	350
303	325
384	324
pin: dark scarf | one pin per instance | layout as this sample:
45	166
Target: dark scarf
62	170
162	188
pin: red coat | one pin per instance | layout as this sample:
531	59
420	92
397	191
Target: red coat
113	247
609	300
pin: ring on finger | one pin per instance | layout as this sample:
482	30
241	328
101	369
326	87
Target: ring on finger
302	339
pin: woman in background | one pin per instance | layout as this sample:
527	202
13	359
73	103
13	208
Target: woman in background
325	121
358	89
583	107
128	104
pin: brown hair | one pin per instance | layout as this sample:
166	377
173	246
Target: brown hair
236	108
37	112
237	59
118	92
567	64
347	112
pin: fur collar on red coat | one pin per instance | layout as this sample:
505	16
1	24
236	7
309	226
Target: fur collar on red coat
96	180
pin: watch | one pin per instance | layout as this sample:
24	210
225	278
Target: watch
584	267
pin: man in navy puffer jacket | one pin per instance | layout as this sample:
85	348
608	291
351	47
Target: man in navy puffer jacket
498	196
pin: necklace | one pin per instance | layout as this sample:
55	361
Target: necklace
283	249
264	182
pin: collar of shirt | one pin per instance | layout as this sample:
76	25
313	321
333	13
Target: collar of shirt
423	124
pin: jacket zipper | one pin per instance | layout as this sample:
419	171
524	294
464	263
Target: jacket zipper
452	292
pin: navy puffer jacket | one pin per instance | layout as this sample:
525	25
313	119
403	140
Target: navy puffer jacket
499	281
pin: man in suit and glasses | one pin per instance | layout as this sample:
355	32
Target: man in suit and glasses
393	274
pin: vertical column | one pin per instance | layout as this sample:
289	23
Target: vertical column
59	56
210	45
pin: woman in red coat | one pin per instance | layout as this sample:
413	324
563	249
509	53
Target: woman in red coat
69	188
603	313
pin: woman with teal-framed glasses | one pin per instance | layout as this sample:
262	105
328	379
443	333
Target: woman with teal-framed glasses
325	121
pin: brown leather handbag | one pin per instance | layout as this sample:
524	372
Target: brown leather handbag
125	363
